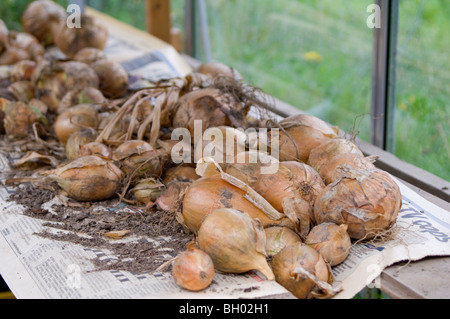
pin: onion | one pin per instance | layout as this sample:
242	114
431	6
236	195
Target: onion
92	33
292	190
74	119
89	178
322	154
278	237
210	193
89	55
95	148
3	36
303	271
43	18
77	139
193	269
20	117
139	159
368	201
331	241
182	173
13	55
210	106
22	90
86	95
22	71
338	165
27	42
171	198
113	78
147	190
306	131
215	69
234	241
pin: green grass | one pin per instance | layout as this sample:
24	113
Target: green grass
317	56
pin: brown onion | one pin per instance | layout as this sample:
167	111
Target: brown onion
28	43
292	190
147	190
43	18
303	271
13	55
92	33
95	148
368	201
182	173
322	154
74	119
22	71
215	69
331	241
22	90
193	269
89	178
85	95
234	241
210	193
89	55
20	116
278	237
302	133
113	78
77	139
338	165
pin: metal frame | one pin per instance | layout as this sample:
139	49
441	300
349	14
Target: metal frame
382	131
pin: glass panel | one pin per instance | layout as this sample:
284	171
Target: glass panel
423	91
314	55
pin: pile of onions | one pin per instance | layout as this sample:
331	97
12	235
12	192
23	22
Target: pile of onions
368	201
193	269
234	241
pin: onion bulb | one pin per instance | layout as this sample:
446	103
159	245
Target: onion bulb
182	173
147	190
278	237
139	159
74	119
92	33
112	76
77	139
27	42
89	55
322	154
302	133
89	178
368	201
43	19
215	69
85	95
210	193
234	241
338	165
20	117
331	241
193	269
95	148
292	190
303	271
22	71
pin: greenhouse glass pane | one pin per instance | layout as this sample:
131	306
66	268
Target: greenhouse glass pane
314	55
423	91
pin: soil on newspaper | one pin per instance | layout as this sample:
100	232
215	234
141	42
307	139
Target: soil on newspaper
140	241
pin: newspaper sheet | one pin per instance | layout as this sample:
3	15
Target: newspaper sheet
37	267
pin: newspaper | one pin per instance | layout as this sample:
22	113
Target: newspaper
38	267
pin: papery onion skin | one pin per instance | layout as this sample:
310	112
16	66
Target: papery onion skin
284	263
74	119
77	139
89	178
338	165
368	201
278	237
208	194
331	241
20	116
234	241
193	269
323	153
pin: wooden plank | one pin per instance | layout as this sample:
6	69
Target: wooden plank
157	14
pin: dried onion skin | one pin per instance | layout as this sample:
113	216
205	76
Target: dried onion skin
368	201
